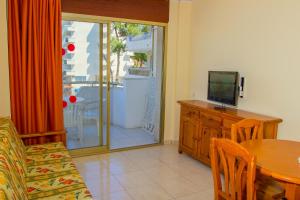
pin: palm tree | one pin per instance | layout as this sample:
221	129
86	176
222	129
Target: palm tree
139	59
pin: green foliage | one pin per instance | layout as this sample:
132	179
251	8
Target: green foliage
117	46
123	30
139	59
118	41
126	29
145	29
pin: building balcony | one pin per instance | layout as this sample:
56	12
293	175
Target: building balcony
69	56
68	68
141	43
69	39
69	62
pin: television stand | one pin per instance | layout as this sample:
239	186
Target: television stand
220	107
200	121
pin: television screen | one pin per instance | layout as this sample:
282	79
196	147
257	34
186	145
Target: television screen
223	87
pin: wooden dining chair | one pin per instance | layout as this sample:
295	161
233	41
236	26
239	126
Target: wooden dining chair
252	129
247	129
238	166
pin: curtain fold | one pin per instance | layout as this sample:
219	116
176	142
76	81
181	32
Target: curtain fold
34	41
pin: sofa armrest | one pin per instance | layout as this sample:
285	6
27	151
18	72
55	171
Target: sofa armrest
31	135
44	137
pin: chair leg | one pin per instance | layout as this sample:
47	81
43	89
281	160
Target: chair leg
80	128
81	133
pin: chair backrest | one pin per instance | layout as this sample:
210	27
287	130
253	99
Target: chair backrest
91	99
89	93
247	129
238	166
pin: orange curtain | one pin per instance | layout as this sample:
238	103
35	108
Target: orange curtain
34	38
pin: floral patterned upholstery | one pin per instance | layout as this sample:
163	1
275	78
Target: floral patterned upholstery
11	183
50	170
48	158
38	171
56	185
8	131
7	124
12	166
49	148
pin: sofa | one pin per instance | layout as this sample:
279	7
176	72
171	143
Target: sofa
38	171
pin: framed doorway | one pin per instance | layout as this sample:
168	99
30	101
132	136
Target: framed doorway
113	98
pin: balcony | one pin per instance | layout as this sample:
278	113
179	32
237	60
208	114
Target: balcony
140	43
68	31
132	109
68	62
69	39
67	23
69	55
68	68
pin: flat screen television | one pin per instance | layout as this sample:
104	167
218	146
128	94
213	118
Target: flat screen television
223	87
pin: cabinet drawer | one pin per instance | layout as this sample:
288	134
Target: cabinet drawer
210	120
228	122
190	112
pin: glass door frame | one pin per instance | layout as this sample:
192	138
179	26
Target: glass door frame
108	20
101	148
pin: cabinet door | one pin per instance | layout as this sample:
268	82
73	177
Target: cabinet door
204	144
226	133
188	135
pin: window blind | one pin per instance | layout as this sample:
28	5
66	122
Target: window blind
145	10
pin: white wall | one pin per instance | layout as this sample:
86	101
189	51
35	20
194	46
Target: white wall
127	107
4	70
178	64
261	40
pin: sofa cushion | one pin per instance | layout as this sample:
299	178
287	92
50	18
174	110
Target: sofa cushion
49	179
40	172
79	194
8	125
36	172
48	158
64	185
9	151
45	148
10	143
11	184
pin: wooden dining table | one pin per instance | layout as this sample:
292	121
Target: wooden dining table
279	160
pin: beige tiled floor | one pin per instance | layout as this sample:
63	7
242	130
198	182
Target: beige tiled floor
119	137
156	173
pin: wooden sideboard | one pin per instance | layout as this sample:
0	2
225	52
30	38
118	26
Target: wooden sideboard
200	121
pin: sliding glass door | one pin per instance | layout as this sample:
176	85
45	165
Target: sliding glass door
135	84
112	83
84	69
